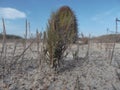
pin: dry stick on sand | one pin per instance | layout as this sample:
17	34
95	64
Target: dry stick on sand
88	51
3	48
21	55
29	30
14	49
114	88
13	55
26	32
113	50
118	74
65	85
30	37
15	61
38	43
4	38
25	50
77	85
25	41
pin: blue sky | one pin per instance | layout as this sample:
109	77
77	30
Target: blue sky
94	16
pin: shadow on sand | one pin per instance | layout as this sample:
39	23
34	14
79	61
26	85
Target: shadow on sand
69	65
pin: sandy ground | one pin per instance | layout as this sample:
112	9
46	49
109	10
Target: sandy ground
92	72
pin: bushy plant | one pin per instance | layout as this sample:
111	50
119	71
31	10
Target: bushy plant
61	31
66	22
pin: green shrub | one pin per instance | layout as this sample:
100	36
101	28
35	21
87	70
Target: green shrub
61	31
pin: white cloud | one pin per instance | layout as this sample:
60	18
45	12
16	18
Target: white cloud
11	13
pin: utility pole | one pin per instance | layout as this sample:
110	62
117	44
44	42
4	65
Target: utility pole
117	20
107	30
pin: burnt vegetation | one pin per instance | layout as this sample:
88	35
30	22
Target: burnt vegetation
42	59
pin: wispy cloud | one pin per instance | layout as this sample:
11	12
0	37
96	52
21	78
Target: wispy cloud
101	16
11	13
108	15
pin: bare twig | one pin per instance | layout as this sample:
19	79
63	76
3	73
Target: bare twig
4	38
3	49
21	55
77	85
38	43
88	51
14	49
113	50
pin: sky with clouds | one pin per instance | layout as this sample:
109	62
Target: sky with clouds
94	16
